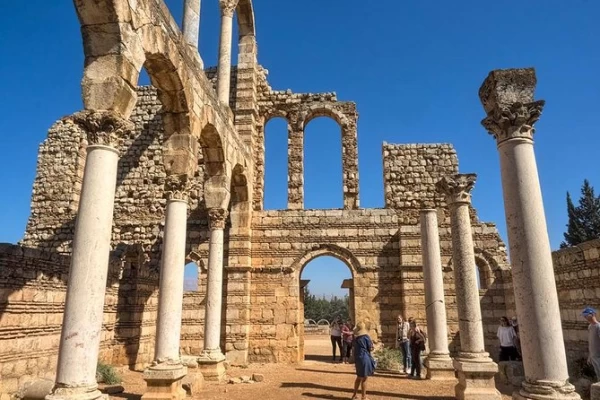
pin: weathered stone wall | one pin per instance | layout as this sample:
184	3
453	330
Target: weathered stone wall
577	272
33	287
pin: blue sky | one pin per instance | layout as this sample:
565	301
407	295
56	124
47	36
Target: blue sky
412	67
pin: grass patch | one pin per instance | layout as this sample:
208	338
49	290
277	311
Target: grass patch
388	359
107	374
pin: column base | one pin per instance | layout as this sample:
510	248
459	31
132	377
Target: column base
212	365
79	393
595	391
476	379
439	367
164	382
547	390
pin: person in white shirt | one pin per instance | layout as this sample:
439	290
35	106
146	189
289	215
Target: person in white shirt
336	336
403	343
593	338
507	335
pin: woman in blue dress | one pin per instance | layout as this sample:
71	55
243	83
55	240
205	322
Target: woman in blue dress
365	366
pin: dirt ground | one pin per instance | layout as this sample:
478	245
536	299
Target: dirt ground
316	378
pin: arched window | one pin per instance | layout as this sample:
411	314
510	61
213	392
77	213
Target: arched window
323	182
190	277
276	164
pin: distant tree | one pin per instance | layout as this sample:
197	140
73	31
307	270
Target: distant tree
584	220
324	308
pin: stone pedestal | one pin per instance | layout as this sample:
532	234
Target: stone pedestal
507	97
84	305
164	382
595	391
438	361
476	379
212	366
475	369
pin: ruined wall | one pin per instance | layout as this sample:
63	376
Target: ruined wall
577	272
283	242
33	287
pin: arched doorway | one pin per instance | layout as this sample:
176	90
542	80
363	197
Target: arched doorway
326	292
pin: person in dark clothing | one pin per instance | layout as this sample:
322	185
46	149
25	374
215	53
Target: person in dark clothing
417	345
336	337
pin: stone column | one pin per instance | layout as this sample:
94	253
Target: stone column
295	165
211	359
84	305
438	362
508	99
475	368
224	67
164	376
350	166
191	22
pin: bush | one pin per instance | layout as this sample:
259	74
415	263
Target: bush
388	359
107	374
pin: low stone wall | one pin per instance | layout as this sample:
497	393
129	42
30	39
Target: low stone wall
577	272
33	286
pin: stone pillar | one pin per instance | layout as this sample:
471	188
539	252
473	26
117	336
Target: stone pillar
211	359
191	22
508	99
474	367
438	362
224	67
350	166
164	376
295	166
84	305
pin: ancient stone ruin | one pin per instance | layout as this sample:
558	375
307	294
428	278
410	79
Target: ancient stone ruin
147	179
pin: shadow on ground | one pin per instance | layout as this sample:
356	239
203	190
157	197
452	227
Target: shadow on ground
345	390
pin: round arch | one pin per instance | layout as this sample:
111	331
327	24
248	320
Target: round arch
327	250
324	111
245	17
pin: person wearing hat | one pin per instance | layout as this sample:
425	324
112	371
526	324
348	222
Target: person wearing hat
363	361
593	339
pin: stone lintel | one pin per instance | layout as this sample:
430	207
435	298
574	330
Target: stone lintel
504	87
347	284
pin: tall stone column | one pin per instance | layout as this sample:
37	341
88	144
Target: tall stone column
438	362
508	99
211	359
295	166
164	376
475	368
84	305
224	66
191	22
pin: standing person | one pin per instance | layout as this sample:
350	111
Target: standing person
347	338
417	345
593	339
506	334
403	343
515	325
335	332
363	361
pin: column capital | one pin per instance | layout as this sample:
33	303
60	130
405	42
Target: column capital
104	128
217	218
457	188
177	187
507	97
228	7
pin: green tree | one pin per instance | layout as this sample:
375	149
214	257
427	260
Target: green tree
584	219
325	308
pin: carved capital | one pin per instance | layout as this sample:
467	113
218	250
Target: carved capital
177	187
513	121
217	218
105	128
228	7
457	188
507	97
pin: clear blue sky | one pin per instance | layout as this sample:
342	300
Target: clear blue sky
413	67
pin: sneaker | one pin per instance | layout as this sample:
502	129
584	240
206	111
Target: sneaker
407	370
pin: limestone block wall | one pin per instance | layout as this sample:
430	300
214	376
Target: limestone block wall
577	272
33	286
283	242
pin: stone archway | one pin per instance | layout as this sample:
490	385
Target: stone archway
324	250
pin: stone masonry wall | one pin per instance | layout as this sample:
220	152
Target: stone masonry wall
577	272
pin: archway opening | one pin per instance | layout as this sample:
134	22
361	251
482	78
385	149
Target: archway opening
323	183
327	293
276	164
190	277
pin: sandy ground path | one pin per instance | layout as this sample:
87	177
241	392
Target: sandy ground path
316	378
